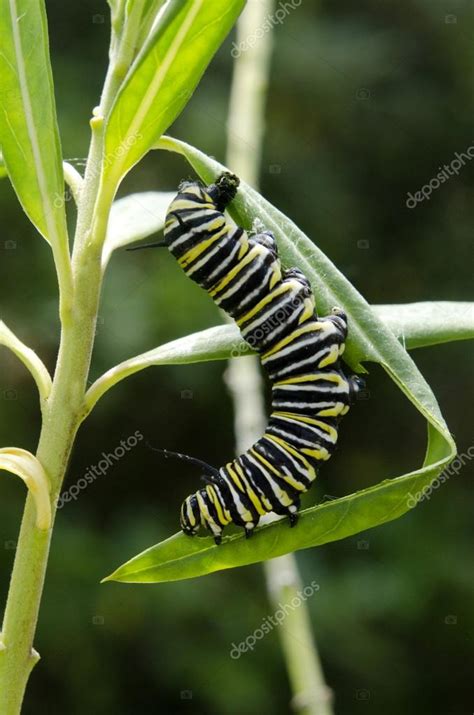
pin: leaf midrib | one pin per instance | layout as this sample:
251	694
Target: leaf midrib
147	101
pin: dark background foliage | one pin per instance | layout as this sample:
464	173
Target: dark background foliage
366	101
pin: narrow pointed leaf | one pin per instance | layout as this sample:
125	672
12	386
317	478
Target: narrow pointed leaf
163	78
26	466
370	339
135	217
141	15
415	324
29	358
29	135
211	344
418	325
181	557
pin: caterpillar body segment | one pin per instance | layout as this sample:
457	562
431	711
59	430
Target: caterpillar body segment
300	352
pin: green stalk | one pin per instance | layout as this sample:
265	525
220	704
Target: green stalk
62	418
311	695
62	415
246	127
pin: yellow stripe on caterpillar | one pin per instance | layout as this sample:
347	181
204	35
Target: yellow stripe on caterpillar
193	253
276	293
250	256
230	468
263	498
330	377
331	358
290	338
276	276
308	310
223	518
244	246
331	431
291	450
255	499
322	453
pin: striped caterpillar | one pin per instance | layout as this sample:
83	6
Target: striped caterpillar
275	311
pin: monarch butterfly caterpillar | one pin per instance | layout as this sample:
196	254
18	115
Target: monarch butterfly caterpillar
300	352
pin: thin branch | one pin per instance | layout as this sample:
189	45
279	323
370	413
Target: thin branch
27	467
30	359
74	180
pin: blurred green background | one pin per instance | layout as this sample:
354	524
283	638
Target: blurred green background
365	103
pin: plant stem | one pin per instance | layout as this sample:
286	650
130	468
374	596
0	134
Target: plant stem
311	696
246	121
92	189
62	415
62	418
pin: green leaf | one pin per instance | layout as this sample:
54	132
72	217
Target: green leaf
131	22
418	325
26	466
211	344
134	217
142	14
415	324
181	557
369	339
163	78
29	359
28	128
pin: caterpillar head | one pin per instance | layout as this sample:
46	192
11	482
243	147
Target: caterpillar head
223	191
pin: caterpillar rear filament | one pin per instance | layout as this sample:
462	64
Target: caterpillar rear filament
300	352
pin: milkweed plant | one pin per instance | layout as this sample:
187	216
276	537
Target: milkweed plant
158	53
